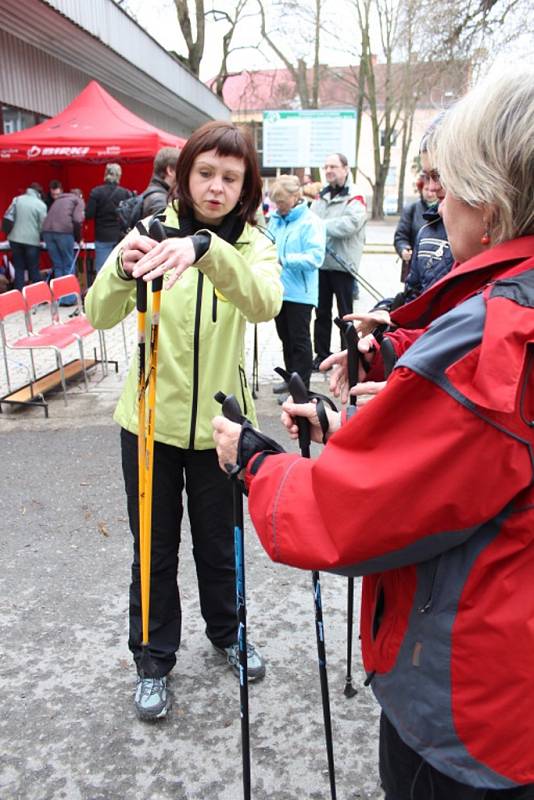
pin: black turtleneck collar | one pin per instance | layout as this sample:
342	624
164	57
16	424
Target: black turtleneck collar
230	228
334	191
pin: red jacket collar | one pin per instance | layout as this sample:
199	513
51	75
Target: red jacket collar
462	281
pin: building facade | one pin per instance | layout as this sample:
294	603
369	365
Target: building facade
51	49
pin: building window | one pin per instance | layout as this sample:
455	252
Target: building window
17	119
391	179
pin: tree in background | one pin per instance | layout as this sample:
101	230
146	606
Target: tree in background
304	43
230	13
404	52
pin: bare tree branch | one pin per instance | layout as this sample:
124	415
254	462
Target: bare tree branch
195	47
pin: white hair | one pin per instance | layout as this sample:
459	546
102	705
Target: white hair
484	151
284	185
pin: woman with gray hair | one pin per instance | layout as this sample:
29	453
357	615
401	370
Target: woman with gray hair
102	207
439	471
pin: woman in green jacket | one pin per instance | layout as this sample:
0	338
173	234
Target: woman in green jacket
218	271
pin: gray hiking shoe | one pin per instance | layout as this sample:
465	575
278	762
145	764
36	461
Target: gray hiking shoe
152	700
255	662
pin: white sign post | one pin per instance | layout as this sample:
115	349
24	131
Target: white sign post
305	138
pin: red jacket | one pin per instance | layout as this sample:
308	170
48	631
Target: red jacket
440	470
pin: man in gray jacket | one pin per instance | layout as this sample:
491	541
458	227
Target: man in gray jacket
25	235
345	217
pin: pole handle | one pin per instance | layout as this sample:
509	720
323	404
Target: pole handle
299	393
141	295
230	407
157	231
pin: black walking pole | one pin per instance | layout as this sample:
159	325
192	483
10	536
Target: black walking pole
299	394
350	336
232	411
255	372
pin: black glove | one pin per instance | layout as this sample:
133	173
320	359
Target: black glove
251	442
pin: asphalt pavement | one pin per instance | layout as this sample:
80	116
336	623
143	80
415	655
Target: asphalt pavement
68	727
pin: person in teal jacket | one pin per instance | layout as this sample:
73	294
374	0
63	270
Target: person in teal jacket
25	235
300	240
219	271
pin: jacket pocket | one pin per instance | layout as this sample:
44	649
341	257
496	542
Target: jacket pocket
387	601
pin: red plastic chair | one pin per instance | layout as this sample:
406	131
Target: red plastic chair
79	324
39	294
12	303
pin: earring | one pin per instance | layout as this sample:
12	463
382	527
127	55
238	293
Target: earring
485	238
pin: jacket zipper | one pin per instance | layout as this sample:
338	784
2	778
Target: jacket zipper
196	347
243	382
427	605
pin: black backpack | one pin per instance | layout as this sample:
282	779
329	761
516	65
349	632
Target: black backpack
130	210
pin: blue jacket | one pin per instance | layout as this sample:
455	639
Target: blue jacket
300	240
432	257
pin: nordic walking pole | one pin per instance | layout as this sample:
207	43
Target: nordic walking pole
350	336
255	378
232	411
147	426
299	394
141	301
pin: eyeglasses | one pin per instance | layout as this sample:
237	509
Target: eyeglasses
433	175
332	166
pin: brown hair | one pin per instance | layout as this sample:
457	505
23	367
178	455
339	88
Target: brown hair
227	140
165	157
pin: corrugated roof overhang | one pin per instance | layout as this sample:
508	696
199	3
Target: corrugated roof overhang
100	39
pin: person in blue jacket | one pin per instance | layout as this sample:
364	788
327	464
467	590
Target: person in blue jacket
300	241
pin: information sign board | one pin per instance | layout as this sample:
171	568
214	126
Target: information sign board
304	138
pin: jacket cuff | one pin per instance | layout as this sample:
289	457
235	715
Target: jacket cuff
201	244
253	466
120	269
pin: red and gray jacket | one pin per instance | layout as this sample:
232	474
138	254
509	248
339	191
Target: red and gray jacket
440	468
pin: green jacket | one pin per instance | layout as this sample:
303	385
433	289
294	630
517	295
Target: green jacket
29	215
201	332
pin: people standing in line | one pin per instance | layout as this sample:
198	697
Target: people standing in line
162	181
228	273
62	227
411	221
25	235
300	241
345	218
102	207
447	593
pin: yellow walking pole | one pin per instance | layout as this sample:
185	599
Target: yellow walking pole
146	433
149	448
141	301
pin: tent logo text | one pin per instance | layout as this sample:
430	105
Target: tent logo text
34	151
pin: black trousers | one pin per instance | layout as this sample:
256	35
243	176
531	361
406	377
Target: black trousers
340	284
293	327
209	503
405	776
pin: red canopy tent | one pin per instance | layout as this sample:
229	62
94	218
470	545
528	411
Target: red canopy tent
73	147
